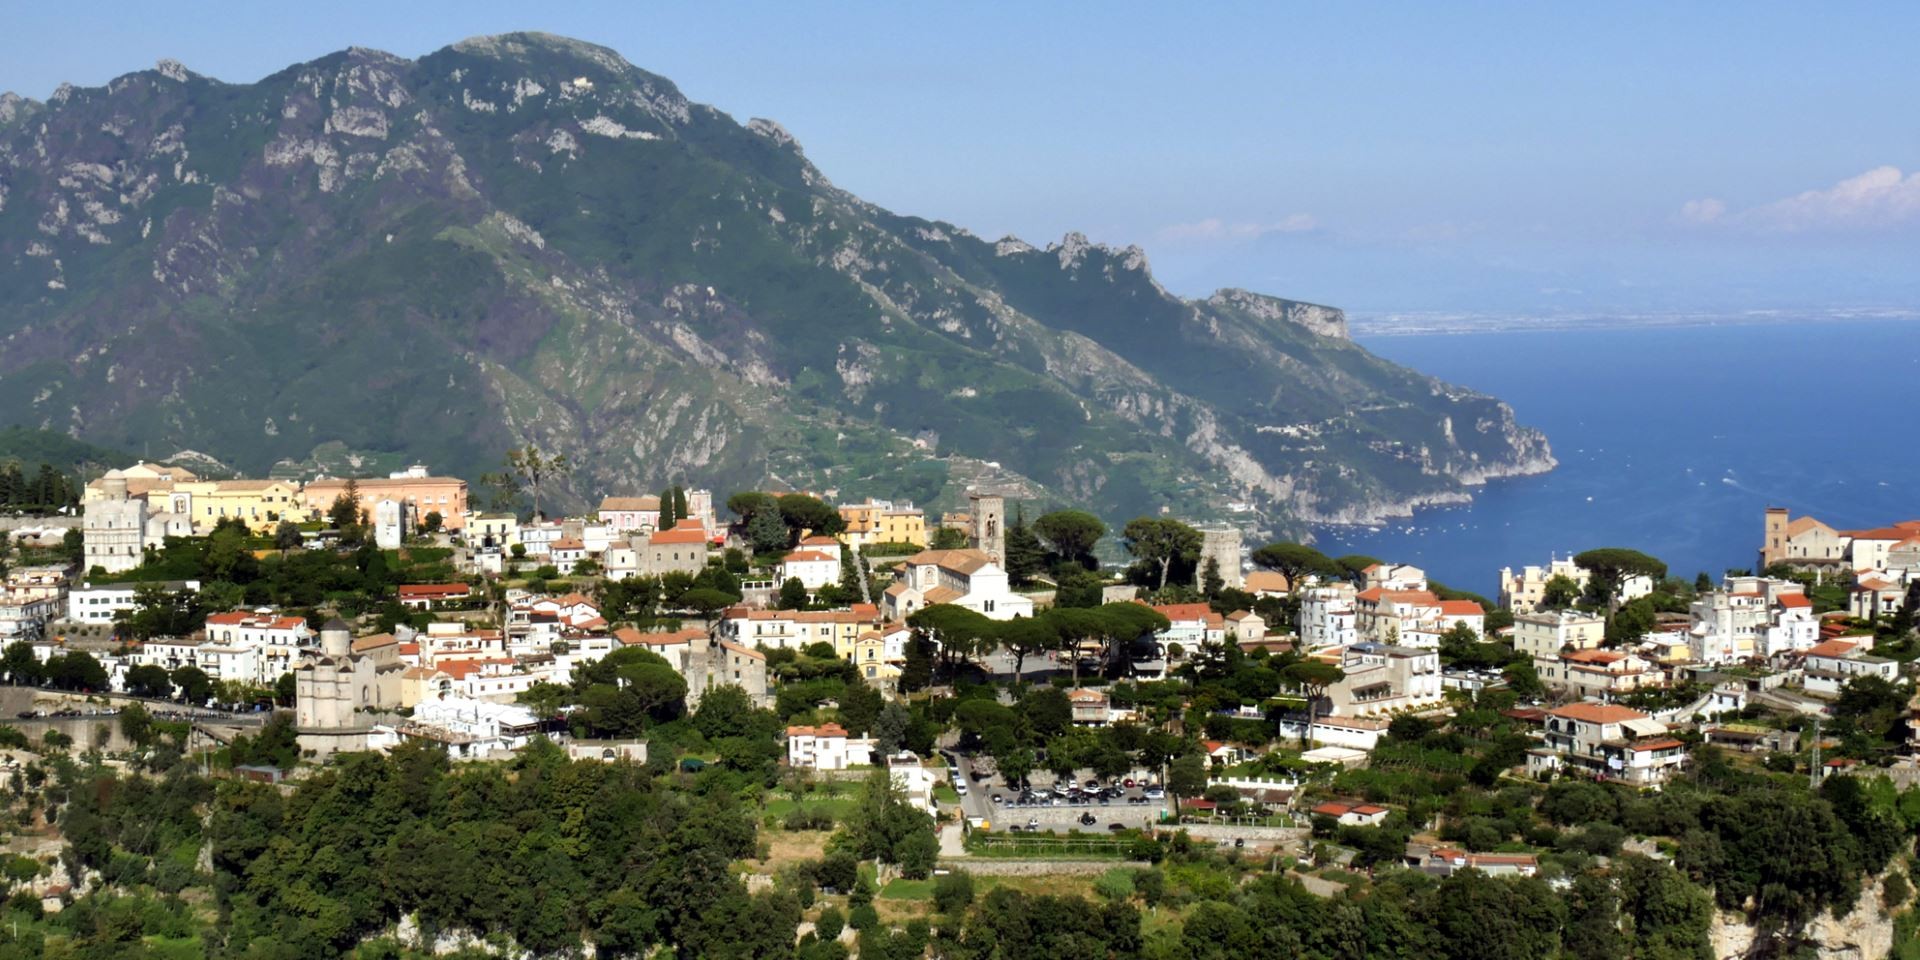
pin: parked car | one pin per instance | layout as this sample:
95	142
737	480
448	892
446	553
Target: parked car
1086	819
997	799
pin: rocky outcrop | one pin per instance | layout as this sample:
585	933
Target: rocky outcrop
1865	933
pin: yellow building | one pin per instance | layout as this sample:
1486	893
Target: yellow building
261	504
870	658
883	521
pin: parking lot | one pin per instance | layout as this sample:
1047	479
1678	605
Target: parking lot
1061	806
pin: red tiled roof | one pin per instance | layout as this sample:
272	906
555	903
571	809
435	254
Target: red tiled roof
807	556
1664	743
824	730
820	540
1594	656
1184	611
1832	648
1597	713
1794	600
686	531
1368	809
1332	809
567	543
422	591
1899	531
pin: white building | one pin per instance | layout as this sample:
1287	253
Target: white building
827	747
468	729
1327	616
392	521
1752	617
812	568
1608	742
280	640
965	578
108	603
1830	666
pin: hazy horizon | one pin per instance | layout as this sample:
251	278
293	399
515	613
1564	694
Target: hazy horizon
1503	159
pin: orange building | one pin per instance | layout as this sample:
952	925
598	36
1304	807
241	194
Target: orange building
426	494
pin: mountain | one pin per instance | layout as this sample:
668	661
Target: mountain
365	259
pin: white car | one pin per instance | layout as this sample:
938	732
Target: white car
960	787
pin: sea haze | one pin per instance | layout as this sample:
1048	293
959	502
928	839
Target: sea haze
1671	440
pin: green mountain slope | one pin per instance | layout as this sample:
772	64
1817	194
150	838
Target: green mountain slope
526	239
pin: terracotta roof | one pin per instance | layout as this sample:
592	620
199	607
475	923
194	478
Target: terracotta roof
1084	695
1213	746
1513	859
632	637
1269	581
1184	611
960	561
743	651
629	504
824	730
686	531
807	556
1332	809
1368	809
568	543
1664	743
1899	531
1832	648
1874	584
1239	615
241	618
374	642
1596	713
1793	600
943	595
1461	608
1594	656
1802	525
420	591
820	540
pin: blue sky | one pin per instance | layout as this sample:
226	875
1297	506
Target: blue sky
1488	157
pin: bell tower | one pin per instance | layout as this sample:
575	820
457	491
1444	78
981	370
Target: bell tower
989	526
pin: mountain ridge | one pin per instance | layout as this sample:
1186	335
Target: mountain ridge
524	238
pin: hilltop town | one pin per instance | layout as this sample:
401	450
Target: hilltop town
992	688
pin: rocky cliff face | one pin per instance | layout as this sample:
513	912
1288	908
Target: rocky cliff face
524	238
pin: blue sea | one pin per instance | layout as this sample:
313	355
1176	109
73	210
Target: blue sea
1671	440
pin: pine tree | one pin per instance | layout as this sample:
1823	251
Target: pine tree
1025	555
1210	580
667	515
679	503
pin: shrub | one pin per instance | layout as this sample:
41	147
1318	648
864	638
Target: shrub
953	891
830	924
863	917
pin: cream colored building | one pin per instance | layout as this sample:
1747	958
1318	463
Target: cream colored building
883	521
1522	592
1544	635
966	578
260	504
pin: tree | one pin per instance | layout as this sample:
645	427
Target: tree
793	594
680	503
1211	582
668	512
1026	636
149	680
73	546
1294	561
430	524
1187	776
284	690
286	535
20	665
1908	617
1610	568
1160	542
766	531
801	512
890	728
344	512
1071	535
1315	677
1560	593
953	891
76	670
948	538
535	467
706	601
194	685
1025	555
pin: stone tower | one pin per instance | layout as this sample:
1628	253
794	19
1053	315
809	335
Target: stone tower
336	639
1223	546
1773	545
989	532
